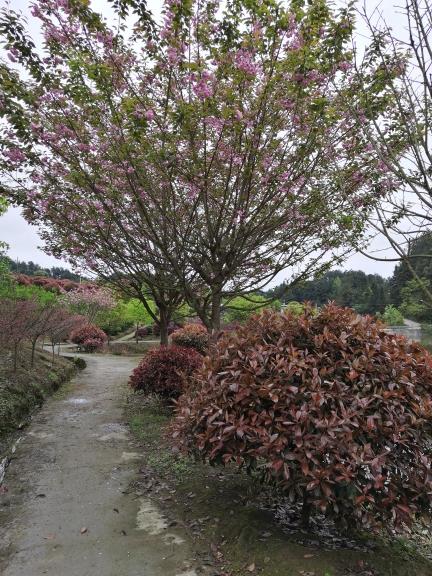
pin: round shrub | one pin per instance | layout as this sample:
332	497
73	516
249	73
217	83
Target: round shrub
89	338
333	410
172	327
163	370
193	336
143	331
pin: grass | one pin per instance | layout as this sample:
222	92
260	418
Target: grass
223	508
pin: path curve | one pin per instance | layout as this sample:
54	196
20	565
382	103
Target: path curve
66	512
412	324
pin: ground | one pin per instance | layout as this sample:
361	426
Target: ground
68	510
247	528
96	488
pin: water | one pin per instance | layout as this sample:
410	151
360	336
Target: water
412	333
416	334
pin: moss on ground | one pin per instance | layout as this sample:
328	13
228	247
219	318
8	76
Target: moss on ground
24	390
219	506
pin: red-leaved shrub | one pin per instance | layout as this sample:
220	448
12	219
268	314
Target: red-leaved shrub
143	331
193	336
172	327
336	413
164	369
89	337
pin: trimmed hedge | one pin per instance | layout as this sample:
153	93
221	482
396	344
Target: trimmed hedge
334	411
89	337
193	336
163	370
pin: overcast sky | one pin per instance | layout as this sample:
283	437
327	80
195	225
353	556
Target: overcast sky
23	239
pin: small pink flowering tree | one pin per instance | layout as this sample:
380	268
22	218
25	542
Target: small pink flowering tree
89	300
196	165
16	321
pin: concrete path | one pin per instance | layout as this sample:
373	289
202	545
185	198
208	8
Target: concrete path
412	324
68	511
131	338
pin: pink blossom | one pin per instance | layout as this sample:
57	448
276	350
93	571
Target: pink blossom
193	190
35	11
215	123
345	66
15	155
203	88
244	61
174	55
149	114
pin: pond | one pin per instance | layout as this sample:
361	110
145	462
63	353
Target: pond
422	334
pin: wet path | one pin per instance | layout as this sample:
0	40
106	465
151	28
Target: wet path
67	511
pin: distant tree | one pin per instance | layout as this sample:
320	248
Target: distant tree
16	320
61	326
89	300
414	304
32	269
392	316
241	308
137	314
419	263
366	293
44	317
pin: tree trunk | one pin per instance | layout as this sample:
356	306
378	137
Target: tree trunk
216	314
163	325
33	351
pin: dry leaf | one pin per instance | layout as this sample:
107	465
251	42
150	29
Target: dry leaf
83	530
251	567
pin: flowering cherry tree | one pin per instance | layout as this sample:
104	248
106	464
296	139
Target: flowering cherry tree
88	300
194	163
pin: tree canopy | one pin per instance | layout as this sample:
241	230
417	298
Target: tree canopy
198	161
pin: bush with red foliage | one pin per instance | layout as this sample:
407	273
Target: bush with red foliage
89	337
334	411
57	285
229	327
193	336
163	370
172	327
143	331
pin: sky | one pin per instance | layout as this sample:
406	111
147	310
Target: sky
24	242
